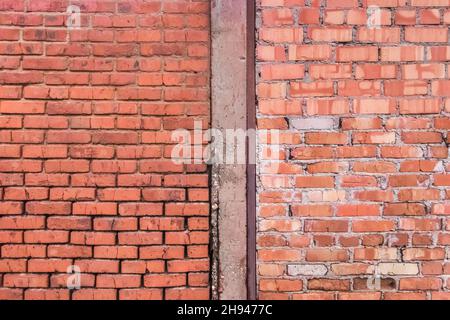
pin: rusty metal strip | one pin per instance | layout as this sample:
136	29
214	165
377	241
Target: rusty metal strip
251	167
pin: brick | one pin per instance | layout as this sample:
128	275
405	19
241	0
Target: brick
92	238
282	72
420	284
309	52
23	251
47	294
11	208
280	285
280	35
307	270
60	280
142	238
376	254
317	255
406	88
400	209
374	138
374	167
423	71
115	252
311	210
69	251
373	226
374	106
382	35
423	254
277	17
191	293
346	54
140	209
13	265
46	236
60	208
25	281
95	294
86	208
345	269
330	34
279	255
172	280
313	124
418	194
329	285
69	223
361	124
140	294
359	296
187	265
405	296
116	224
421	166
326	138
394	269
312	296
403	53
401	152
424	34
118	281
309	16
327	107
376	71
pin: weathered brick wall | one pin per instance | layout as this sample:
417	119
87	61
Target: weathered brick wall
86	179
362	184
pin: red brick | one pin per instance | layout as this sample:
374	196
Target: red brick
280	285
95	294
140	294
171	280
407	209
90	208
187	293
25	281
329	284
47	294
118	281
316	255
421	284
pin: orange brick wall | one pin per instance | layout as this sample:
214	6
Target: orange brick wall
357	206
86	179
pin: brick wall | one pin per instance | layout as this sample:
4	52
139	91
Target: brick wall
361	187
85	140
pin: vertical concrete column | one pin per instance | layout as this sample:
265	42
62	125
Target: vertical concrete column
229	205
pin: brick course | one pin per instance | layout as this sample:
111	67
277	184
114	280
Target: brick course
361	184
86	117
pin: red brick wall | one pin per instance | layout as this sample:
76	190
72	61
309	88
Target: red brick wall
85	140
362	184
